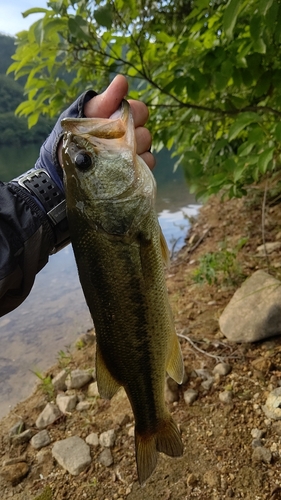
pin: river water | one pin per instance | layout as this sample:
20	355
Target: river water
55	313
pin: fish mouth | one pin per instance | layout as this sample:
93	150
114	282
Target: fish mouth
112	133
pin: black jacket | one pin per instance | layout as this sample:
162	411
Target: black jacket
27	236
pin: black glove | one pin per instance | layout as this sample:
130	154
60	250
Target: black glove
48	159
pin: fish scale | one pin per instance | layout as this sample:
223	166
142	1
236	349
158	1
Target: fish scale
119	250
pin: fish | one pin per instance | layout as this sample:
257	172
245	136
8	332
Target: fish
120	252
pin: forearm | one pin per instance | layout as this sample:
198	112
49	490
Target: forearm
33	221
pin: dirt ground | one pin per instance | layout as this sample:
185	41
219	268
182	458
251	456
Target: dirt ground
218	460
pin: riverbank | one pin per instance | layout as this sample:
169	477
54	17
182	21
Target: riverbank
219	460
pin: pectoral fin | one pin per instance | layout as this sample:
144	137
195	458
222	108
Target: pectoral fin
164	249
107	385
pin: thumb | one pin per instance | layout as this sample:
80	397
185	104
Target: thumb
104	105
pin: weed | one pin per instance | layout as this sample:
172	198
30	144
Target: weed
221	266
64	358
46	384
80	344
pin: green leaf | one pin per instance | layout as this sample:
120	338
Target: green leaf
243	120
34	10
278	132
264	159
230	17
264	5
103	16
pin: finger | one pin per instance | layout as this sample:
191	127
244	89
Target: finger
149	159
104	105
140	112
143	140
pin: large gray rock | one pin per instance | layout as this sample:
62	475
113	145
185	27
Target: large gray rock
254	312
73	454
77	379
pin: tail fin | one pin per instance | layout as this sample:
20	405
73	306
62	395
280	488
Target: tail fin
166	439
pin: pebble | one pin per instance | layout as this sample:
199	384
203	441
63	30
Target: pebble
262	454
107	438
73	454
47	417
23	437
105	458
222	369
190	396
226	397
14	473
59	381
92	439
77	379
172	393
272	407
207	384
257	434
66	403
40	440
17	428
83	406
93	390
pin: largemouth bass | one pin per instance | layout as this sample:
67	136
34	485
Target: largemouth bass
119	250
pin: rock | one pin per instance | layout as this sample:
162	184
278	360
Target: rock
172	392
14	473
276	427
190	396
222	369
92	439
254	312
23	437
262	454
107	438
66	403
59	381
131	431
40	440
105	458
256	443
93	390
226	397
270	247
272	407
17	428
207	384
77	379
192	480
48	416
73	454
83	406
257	434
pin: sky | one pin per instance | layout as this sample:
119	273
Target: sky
11	20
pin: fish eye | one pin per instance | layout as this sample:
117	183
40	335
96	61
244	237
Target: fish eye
83	160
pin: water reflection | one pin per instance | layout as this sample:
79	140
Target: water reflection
55	313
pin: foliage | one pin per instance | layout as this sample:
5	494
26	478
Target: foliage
14	130
209	70
220	267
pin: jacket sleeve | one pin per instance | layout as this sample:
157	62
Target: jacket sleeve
26	240
27	236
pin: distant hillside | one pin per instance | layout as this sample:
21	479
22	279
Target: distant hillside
14	129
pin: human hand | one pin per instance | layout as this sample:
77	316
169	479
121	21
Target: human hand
105	104
94	105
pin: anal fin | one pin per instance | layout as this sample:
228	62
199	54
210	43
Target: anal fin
107	385
175	366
